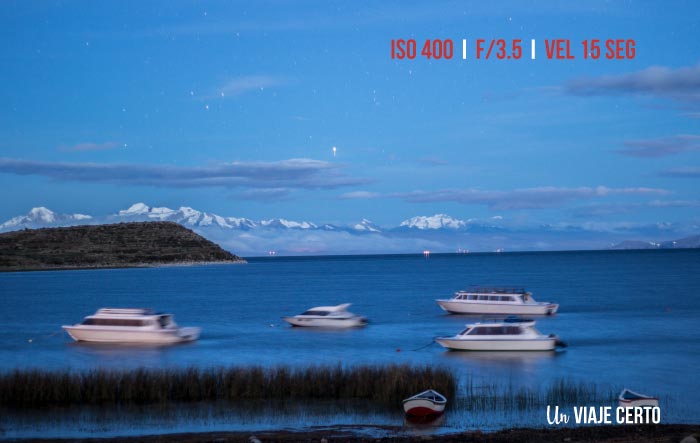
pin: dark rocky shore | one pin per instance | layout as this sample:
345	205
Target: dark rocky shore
604	434
119	245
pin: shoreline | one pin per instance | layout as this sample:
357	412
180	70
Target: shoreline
584	434
123	266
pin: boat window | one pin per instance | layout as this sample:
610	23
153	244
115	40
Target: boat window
164	321
472	297
312	312
483	297
494	297
114	322
495	330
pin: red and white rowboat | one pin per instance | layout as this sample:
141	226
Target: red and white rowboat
425	404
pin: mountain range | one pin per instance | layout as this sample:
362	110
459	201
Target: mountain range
41	217
438	233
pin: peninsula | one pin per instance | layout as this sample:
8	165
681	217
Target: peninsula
120	245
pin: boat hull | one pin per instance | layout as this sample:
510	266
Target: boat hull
631	399
326	322
538	344
423	408
468	307
653	402
122	335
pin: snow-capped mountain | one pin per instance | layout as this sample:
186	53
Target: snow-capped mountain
289	224
437	221
43	217
366	226
184	215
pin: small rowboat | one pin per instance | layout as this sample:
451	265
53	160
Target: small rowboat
629	399
427	403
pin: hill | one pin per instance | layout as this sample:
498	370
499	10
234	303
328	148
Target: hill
108	246
683	243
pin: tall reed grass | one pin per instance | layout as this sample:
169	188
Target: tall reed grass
506	397
382	384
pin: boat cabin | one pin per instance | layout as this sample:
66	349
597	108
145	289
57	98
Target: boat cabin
138	318
509	326
501	295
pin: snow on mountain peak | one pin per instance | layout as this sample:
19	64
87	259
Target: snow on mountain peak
42	214
437	221
41	217
135	209
289	224
366	226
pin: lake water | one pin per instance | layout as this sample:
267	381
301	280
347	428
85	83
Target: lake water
630	319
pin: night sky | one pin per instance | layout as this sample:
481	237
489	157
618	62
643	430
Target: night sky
235	108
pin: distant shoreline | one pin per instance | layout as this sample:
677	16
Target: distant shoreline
121	245
340	434
123	266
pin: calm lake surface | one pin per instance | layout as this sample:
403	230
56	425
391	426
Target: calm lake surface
630	319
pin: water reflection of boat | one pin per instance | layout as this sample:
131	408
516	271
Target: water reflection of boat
512	334
498	301
629	399
327	317
504	359
427	403
143	326
428	421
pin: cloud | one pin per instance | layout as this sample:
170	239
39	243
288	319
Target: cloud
681	84
360	195
241	85
674	203
660	147
432	161
689	172
297	173
264	194
81	147
531	198
602	210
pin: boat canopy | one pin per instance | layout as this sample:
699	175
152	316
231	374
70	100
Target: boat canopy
125	311
494	290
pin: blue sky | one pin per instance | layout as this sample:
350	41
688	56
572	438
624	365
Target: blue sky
234	108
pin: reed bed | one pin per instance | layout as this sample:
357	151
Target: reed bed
34	388
506	397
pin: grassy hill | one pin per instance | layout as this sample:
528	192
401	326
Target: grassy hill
107	246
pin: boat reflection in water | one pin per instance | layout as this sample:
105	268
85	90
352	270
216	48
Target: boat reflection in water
522	360
429	421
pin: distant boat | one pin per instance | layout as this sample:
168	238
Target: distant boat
117	325
497	301
427	403
327	317
628	399
512	334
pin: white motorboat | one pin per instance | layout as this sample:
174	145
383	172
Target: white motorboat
117	325
497	301
630	399
327	317
427	403
512	334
